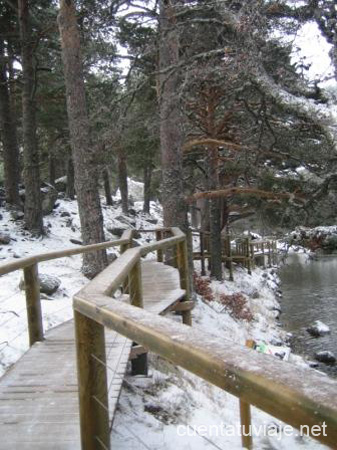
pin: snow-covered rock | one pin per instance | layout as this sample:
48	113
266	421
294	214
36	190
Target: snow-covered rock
5	238
48	284
325	357
16	214
318	329
61	184
49	197
117	231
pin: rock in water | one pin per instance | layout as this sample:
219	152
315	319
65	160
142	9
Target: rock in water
318	329
325	357
48	284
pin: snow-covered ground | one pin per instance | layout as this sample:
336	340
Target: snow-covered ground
170	409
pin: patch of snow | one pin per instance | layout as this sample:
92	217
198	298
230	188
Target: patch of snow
135	190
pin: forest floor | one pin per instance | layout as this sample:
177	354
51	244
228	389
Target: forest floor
171	408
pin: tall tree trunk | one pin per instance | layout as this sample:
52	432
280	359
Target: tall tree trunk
86	179
123	179
51	169
8	136
33	209
213	180
215	215
171	134
70	189
107	187
147	188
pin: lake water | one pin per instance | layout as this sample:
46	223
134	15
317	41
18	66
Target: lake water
310	293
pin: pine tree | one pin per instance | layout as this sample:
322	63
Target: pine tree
86	176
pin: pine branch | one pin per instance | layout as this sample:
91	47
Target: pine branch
245	191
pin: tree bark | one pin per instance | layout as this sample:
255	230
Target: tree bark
85	168
123	179
8	137
107	187
147	188
70	189
33	209
171	133
51	169
214	215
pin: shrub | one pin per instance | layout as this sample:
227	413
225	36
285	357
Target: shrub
330	243
236	306
203	288
314	243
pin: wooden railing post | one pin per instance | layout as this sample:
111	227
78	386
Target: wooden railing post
269	253
263	255
135	286
159	237
245	416
33	303
230	258
182	262
124	248
275	253
202	254
92	383
139	364
247	252
252	255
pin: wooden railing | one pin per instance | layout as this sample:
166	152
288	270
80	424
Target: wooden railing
246	251
296	395
29	265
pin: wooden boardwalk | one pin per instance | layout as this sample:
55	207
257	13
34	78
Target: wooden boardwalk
39	396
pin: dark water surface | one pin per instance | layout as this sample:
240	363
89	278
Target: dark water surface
310	293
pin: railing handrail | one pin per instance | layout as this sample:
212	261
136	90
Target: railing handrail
108	281
47	256
21	263
29	265
296	395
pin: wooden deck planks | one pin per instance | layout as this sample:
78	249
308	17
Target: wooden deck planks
38	395
161	287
